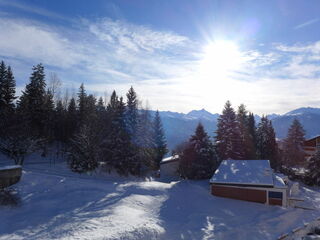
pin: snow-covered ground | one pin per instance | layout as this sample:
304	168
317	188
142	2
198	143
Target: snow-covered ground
52	203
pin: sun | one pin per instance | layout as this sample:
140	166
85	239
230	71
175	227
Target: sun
219	58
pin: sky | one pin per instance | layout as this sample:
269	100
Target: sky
178	55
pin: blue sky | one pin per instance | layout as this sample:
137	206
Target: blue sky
178	55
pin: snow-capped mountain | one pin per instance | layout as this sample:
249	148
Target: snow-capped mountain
202	114
179	127
304	110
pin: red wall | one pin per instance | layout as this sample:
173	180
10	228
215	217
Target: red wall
251	195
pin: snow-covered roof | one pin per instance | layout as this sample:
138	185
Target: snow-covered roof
253	172
278	182
10	167
170	159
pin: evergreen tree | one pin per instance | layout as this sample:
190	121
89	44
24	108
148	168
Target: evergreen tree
84	150
100	106
90	109
131	116
48	115
314	168
228	136
7	90
72	119
32	101
293	144
116	148
267	147
159	140
198	159
60	130
145	141
82	103
253	135
3	79
247	140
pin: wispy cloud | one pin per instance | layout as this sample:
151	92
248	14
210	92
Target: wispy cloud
32	9
109	54
302	25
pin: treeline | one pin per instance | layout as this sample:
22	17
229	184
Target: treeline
119	135
239	137
236	137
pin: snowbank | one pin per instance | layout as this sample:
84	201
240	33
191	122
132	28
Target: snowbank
57	204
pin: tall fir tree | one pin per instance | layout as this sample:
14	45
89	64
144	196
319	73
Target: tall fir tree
131	115
116	147
253	135
228	136
100	106
159	140
314	168
198	159
246	132
3	79
60	130
145	141
72	119
82	103
293	153
32	101
7	90
84	151
267	147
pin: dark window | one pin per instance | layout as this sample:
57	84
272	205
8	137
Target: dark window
275	195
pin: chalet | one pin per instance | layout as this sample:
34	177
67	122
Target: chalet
169	166
249	180
310	146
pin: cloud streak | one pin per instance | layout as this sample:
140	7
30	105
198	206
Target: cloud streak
305	24
109	54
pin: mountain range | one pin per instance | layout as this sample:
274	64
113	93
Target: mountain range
179	127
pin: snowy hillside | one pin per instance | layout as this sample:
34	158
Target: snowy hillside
52	203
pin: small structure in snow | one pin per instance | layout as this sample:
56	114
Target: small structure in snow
310	146
169	166
249	180
9	175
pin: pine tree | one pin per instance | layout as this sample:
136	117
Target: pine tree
100	106
247	140
60	130
116	147
3	79
293	145
84	150
145	141
228	136
48	114
198	159
314	168
90	109
131	115
7	89
253	135
82	103
72	119
159	140
32	101
267	147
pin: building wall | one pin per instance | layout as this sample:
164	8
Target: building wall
169	169
253	194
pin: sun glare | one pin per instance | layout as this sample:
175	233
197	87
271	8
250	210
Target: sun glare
220	58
